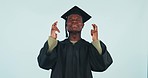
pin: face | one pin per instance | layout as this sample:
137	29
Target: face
74	23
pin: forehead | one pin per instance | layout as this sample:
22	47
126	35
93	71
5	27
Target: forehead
74	15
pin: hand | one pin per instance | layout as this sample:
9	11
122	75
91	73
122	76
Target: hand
94	32
54	29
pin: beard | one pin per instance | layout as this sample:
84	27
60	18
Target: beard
74	32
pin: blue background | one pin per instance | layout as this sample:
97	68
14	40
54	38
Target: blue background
25	26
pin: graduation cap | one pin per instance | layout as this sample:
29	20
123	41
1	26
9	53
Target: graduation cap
75	10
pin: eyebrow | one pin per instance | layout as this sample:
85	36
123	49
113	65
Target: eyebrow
77	17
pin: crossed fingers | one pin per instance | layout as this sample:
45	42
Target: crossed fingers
95	29
54	27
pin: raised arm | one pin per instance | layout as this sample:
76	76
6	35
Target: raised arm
47	57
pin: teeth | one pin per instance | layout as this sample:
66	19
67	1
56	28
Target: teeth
74	25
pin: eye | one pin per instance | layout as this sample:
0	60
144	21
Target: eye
70	19
78	19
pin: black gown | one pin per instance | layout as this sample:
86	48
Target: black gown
68	60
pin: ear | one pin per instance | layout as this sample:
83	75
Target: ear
66	28
82	25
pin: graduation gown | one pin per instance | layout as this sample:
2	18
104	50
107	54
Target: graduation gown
68	60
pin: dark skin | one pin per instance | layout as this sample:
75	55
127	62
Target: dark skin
74	27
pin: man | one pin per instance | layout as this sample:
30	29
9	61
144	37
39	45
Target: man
74	57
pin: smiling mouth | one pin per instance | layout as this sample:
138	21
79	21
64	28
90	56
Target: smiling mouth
74	25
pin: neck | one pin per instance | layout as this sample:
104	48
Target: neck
74	36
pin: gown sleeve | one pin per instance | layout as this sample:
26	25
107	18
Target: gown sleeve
47	60
99	62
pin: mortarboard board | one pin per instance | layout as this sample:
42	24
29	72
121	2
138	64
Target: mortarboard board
75	10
